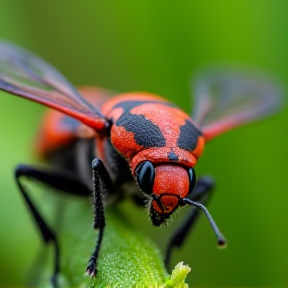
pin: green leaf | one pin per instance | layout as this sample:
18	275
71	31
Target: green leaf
127	258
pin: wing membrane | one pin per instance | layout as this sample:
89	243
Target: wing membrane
24	74
226	98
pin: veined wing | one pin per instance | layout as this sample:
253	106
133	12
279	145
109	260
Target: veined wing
24	74
226	99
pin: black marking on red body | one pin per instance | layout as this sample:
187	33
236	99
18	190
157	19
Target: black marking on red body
188	137
146	133
172	156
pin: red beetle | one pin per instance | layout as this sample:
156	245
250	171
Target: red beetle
135	138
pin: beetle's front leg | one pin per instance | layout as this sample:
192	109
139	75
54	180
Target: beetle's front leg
202	193
101	181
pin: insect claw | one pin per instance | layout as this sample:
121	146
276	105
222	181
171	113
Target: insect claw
91	268
91	271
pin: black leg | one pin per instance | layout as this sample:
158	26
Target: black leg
201	193
61	180
101	182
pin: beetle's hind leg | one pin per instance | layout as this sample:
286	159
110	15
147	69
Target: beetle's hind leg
63	181
202	194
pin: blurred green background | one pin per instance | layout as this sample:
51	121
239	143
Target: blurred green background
157	46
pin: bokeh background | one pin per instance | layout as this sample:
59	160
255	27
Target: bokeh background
157	46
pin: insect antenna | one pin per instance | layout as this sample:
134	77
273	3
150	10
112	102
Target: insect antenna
220	238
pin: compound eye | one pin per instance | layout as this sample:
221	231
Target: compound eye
192	179
145	177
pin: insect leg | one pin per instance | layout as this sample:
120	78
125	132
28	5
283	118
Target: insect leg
60	180
101	182
202	194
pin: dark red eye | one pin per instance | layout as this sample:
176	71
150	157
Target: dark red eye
192	179
145	177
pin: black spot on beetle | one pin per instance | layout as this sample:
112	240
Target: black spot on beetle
172	156
188	137
145	132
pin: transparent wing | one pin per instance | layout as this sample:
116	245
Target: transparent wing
226	98
24	74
